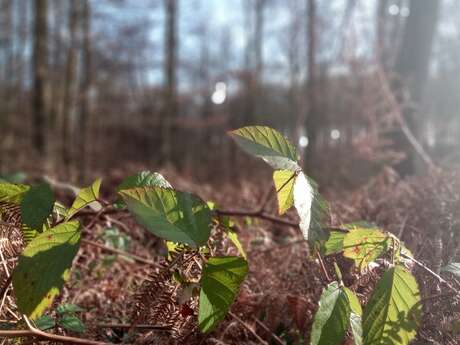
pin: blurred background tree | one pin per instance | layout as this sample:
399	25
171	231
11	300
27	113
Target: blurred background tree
92	86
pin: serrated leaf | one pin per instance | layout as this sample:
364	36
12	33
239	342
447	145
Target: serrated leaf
364	245
85	197
68	308
142	179
355	316
45	322
172	215
220	282
268	144
12	193
319	211
453	267
331	319
303	199
284	185
72	323
391	316
334	244
44	266
37	205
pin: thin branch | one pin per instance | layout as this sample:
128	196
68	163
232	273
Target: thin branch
121	252
129	326
249	329
430	271
34	332
273	335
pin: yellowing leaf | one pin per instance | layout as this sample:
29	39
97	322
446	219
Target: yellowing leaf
284	183
364	245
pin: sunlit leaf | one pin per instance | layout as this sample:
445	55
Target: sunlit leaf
364	245
355	316
284	184
85	197
12	193
37	205
172	215
142	179
220	282
44	266
233	236
391	316
268	144
334	244
303	198
331	319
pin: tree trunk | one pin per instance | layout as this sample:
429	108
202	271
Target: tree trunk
312	115
170	65
412	67
85	87
69	87
40	57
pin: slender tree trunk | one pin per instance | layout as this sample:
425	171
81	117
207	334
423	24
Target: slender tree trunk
381	31
69	87
312	115
412	66
85	87
40	57
170	66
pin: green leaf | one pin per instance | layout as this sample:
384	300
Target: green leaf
284	184
169	214
220	282
72	323
303	199
44	266
142	179
45	322
37	205
233	236
364	245
12	193
331	319
391	316
319	211
68	308
334	244
268	144
85	197
28	234
355	316
453	267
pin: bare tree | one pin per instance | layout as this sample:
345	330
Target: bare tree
312	117
85	88
412	67
170	66
39	65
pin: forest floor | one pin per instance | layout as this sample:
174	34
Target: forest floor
278	300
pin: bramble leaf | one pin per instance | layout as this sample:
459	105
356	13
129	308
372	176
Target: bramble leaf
12	193
334	244
85	197
268	144
355	316
37	205
364	245
44	266
172	215
284	185
391	316
220	282
331	319
303	199
142	179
